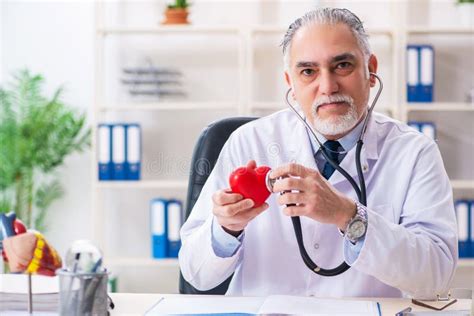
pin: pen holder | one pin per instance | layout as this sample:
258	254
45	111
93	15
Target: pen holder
82	293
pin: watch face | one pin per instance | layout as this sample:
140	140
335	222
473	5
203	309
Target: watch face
357	229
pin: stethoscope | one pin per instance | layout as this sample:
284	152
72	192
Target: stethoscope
359	189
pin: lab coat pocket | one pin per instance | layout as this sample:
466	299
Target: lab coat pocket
386	211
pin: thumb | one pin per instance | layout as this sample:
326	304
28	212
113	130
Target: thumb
251	164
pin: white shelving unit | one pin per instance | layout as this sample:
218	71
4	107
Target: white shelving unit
247	103
144	184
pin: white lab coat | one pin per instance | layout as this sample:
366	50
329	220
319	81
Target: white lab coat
411	241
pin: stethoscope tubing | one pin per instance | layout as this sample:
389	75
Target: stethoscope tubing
359	189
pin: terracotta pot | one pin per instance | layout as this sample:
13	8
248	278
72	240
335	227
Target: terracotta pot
176	16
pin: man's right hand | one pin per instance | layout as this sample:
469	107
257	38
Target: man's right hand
233	212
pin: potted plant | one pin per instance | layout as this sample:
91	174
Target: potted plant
177	13
36	134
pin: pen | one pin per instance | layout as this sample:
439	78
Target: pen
402	312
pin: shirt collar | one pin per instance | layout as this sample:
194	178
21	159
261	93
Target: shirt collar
347	142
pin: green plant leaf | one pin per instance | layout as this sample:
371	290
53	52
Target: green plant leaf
45	195
37	133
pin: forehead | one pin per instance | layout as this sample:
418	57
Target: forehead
321	42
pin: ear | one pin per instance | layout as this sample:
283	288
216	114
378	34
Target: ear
290	84
373	64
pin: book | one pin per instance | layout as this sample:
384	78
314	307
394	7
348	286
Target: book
275	304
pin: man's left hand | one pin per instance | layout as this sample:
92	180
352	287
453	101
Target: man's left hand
305	192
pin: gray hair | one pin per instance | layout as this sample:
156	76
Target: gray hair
328	16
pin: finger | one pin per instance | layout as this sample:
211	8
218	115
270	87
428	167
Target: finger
233	209
244	217
291	198
288	184
251	164
291	169
295	210
223	197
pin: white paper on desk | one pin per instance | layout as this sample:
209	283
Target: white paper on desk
18	283
280	304
277	304
206	305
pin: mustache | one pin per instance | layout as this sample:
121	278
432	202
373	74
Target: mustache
334	98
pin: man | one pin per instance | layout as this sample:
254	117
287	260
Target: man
408	244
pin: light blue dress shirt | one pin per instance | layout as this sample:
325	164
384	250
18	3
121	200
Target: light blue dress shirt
226	245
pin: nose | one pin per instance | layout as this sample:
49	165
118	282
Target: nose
327	83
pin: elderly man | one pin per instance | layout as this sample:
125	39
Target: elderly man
406	239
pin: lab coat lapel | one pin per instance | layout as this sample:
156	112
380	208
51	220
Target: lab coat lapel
302	152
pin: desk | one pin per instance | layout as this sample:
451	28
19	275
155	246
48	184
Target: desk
138	304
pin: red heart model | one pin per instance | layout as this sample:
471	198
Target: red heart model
19	227
250	183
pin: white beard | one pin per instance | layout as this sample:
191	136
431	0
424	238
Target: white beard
335	125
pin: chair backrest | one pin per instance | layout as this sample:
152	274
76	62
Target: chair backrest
204	158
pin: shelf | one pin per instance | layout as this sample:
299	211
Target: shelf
160	106
281	105
267	105
283	29
439	106
173	262
170	29
466	263
462	184
143	184
142	262
441	30
213	29
182	184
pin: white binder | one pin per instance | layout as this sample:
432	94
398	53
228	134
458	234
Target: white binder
174	209
104	152
118	151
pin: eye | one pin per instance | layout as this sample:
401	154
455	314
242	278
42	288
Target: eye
308	72
344	68
343	65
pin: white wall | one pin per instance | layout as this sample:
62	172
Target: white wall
56	39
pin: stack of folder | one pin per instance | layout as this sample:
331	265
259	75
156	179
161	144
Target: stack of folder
166	219
427	128
14	294
465	218
420	73
119	151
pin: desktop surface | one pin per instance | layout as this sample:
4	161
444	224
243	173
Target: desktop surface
139	304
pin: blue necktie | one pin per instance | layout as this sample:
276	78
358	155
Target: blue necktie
332	149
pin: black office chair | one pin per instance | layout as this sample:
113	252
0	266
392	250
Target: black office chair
205	155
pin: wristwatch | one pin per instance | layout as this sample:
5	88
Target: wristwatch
357	226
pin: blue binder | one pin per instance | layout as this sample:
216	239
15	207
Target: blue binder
174	216
158	219
463	216
118	152
412	73
471	229
133	149
420	73
415	124
429	129
425	88
104	147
